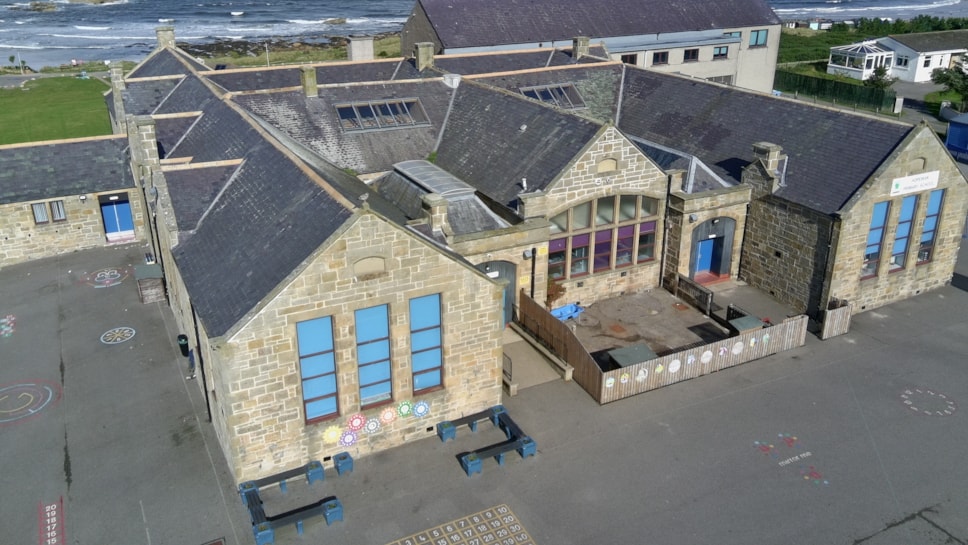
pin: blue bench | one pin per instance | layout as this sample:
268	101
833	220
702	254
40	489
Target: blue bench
447	429
471	462
567	312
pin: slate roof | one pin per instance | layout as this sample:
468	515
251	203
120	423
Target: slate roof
48	170
831	153
411	180
192	191
698	177
143	97
220	133
598	84
493	139
926	42
314	123
506	61
337	72
190	95
166	62
169	130
267	221
471	23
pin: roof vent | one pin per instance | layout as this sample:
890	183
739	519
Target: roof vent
523	128
452	80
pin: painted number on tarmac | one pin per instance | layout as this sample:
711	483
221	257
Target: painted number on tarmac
51	520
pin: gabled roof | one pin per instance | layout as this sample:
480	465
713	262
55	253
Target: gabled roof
332	72
698	177
470	23
169	130
831	153
494	139
220	133
192	191
926	42
143	97
167	62
61	168
314	122
190	95
263	225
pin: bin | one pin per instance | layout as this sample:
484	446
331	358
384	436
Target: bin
183	345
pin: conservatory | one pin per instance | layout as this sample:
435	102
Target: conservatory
859	60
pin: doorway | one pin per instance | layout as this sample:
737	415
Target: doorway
503	270
116	215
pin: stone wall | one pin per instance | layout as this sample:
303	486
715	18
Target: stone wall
689	210
21	239
922	152
635	174
257	379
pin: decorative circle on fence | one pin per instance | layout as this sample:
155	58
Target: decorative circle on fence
674	366
118	335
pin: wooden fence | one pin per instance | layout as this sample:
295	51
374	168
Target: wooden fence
836	320
695	294
557	337
695	361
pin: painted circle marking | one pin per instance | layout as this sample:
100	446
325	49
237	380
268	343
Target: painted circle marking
928	402
23	400
118	335
674	366
706	357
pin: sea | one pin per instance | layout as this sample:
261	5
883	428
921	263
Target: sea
125	29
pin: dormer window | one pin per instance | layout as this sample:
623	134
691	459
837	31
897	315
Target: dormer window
385	114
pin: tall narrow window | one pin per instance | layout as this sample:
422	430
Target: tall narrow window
373	354
426	355
579	255
872	254
623	249
929	233
57	210
903	233
646	242
557	250
317	368
40	213
603	250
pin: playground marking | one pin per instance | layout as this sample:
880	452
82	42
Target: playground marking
26	399
117	335
50	519
928	402
107	277
8	325
494	526
792	453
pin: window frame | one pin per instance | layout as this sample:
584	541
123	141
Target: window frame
418	336
398	113
759	37
690	55
369	347
720	52
926	248
575	251
40	212
878	224
902	233
630	58
304	358
562	95
660	58
57	211
902	61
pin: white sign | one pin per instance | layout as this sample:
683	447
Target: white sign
914	183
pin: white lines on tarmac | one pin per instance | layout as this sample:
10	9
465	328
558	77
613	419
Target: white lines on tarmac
145	519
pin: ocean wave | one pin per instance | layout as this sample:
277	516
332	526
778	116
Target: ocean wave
89	37
848	8
43	47
80	27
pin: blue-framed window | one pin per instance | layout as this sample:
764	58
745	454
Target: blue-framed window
373	355
875	236
929	233
758	37
317	368
426	351
903	232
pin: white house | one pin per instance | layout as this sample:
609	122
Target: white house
909	57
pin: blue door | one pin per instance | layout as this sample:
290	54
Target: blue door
704	255
118	224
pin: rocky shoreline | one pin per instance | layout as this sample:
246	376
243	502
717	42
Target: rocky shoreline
250	48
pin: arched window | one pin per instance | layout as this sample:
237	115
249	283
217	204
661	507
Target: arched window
601	235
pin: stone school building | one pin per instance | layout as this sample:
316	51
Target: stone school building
343	243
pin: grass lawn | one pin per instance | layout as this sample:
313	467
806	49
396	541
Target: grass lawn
53	109
933	100
383	47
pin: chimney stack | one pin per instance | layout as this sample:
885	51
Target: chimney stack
676	177
424	55
579	47
309	85
166	36
435	208
360	48
768	153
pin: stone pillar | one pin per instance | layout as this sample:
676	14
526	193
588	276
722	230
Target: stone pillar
360	48
309	85
676	177
165	36
145	140
533	205
435	208
117	96
424	55
579	47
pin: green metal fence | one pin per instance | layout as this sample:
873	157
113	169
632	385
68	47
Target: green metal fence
870	98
